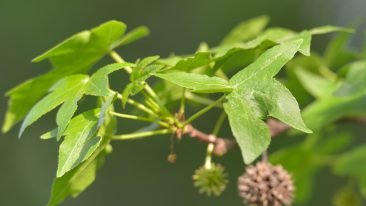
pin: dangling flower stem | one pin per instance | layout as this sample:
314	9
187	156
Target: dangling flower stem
208	160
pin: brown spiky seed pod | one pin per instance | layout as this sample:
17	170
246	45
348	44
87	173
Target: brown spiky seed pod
266	185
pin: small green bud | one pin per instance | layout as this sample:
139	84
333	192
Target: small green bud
108	149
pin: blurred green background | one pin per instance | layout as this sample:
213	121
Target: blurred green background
136	173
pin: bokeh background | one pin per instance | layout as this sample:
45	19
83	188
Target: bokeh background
137	173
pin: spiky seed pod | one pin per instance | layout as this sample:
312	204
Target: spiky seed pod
266	185
210	181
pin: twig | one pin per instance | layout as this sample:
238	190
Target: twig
276	127
223	145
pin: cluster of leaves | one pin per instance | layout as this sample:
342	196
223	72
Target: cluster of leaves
240	71
331	88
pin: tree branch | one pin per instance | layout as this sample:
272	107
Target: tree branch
223	145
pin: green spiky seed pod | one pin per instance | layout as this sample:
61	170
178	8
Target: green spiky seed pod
210	181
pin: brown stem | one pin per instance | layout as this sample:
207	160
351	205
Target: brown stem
276	127
265	156
223	145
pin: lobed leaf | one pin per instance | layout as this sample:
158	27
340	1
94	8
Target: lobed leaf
74	55
256	94
60	92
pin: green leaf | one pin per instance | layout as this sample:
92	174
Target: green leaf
253	86
80	141
82	50
246	30
69	91
329	109
329	28
134	35
199	59
306	43
62	91
50	134
274	35
316	85
127	91
335	54
280	104
267	65
228	57
145	68
76	180
236	59
98	84
280	35
196	82
74	55
268	38
105	107
243	53
24	96
353	163
250	132
354	82
66	112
